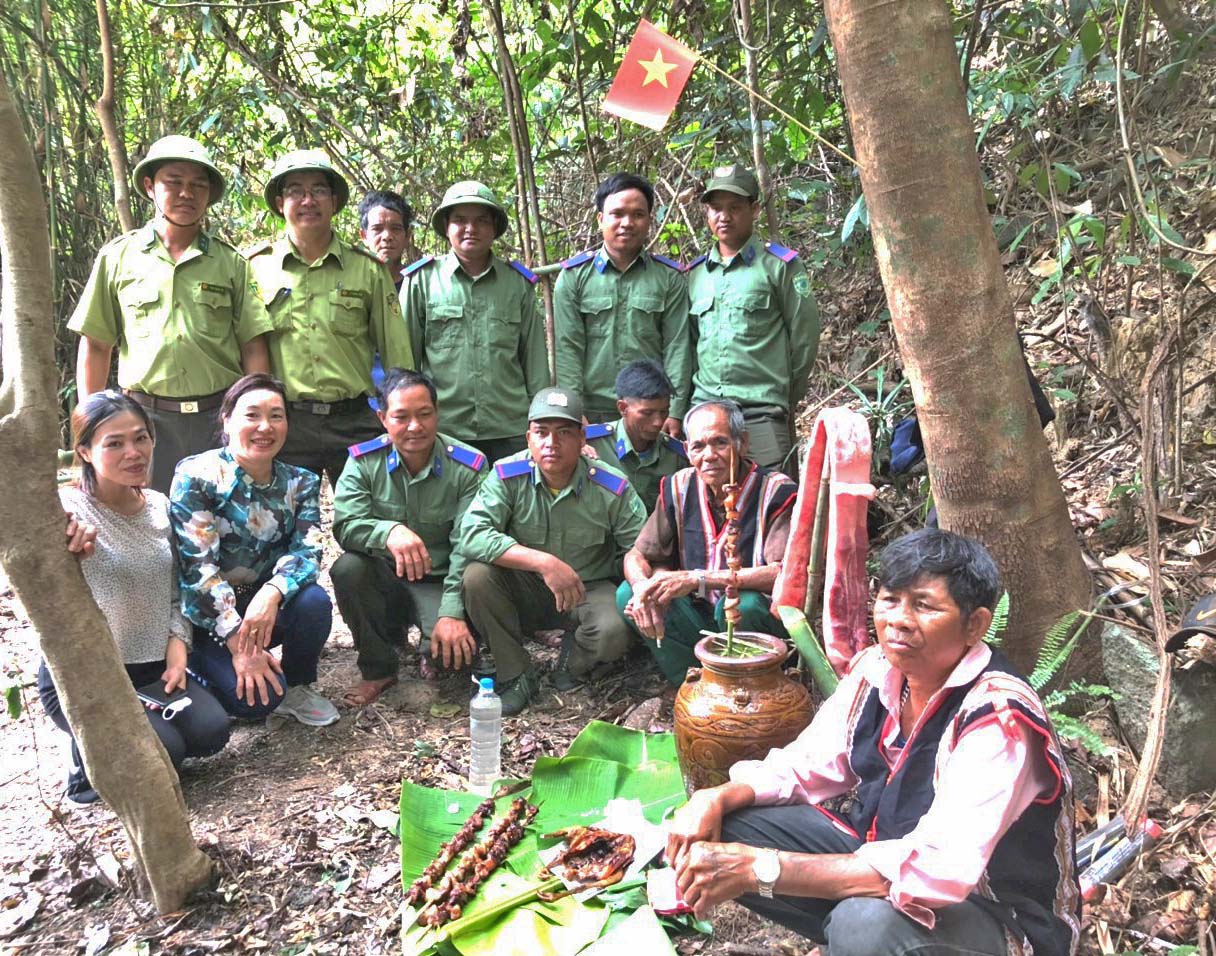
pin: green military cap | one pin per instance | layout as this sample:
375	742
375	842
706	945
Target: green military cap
178	149
304	161
733	179
556	403
468	192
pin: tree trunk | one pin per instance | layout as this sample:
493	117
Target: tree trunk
989	466
743	26
124	759
109	125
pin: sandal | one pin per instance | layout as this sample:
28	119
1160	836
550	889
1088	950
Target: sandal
366	692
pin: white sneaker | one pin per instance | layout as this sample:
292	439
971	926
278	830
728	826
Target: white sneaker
307	706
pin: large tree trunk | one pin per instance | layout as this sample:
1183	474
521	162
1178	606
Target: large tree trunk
124	759
989	466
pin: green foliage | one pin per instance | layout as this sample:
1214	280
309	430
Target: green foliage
1000	620
12	700
888	404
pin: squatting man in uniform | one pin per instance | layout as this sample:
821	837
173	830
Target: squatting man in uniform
397	511
754	321
543	540
178	303
331	308
676	572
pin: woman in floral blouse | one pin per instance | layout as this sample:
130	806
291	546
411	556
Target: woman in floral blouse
249	541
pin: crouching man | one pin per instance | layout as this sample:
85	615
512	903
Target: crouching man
960	835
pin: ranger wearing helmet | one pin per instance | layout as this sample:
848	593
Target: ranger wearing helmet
331	308
179	304
472	319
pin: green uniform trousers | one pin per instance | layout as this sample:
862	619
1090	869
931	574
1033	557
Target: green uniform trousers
180	435
503	605
377	606
688	616
320	442
768	438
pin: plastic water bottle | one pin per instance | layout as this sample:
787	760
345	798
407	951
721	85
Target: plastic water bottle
485	736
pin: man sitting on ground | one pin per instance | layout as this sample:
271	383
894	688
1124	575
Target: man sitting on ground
543	540
960	835
636	440
397	509
676	571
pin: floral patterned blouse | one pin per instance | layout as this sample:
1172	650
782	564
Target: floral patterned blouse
233	532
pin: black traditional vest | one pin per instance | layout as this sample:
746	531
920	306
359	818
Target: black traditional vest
763	496
1030	884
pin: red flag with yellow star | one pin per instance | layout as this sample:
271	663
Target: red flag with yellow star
651	77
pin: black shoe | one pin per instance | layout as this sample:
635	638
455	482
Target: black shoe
517	694
562	678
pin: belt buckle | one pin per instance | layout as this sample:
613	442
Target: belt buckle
320	408
188	408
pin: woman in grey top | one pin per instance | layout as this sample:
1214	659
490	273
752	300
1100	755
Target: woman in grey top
132	576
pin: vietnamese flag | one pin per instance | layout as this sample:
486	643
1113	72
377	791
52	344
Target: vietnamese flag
651	77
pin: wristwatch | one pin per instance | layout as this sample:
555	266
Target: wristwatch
767	869
701	593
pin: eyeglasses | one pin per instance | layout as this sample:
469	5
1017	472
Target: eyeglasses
298	192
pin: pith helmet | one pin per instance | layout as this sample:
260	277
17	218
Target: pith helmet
178	149
468	192
304	161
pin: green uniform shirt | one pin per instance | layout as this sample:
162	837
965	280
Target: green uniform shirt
643	469
590	524
755	325
604	319
481	342
377	492
179	326
328	318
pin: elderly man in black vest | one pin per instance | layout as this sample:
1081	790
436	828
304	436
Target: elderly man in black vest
959	836
676	571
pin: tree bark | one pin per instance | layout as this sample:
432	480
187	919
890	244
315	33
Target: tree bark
989	465
124	759
109	125
752	68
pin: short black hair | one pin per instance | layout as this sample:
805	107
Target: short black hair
396	379
394	202
971	576
643	379
618	183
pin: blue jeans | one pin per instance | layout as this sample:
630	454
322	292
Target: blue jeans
302	628
858	926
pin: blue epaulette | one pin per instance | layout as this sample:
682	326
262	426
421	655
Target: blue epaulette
781	252
670	263
524	271
514	469
614	483
372	444
602	430
696	262
467	456
675	445
581	259
416	265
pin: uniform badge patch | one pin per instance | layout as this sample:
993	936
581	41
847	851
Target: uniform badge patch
802	285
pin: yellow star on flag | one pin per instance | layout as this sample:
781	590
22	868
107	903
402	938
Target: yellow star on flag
656	69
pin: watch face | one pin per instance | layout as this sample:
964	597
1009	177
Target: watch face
767	867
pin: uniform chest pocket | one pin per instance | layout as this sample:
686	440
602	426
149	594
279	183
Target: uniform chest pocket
645	315
277	301
755	309
595	310
214	305
138	302
348	311
504	327
444	327
699	308
585	538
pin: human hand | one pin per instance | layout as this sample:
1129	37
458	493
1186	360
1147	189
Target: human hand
647	617
453	643
175	666
589	452
567	588
257	626
699	819
713	873
675	428
81	537
412	559
255	676
665	586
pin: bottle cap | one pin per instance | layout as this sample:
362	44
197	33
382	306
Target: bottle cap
486	683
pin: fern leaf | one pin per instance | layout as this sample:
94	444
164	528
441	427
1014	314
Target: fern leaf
1069	728
1057	647
1000	621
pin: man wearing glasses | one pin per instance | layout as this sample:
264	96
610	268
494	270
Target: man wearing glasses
177	302
331	308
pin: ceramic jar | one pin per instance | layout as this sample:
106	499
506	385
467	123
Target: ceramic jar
736	708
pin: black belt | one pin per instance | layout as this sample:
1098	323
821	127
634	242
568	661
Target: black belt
340	407
191	407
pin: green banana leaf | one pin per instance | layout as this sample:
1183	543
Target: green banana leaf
638	933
